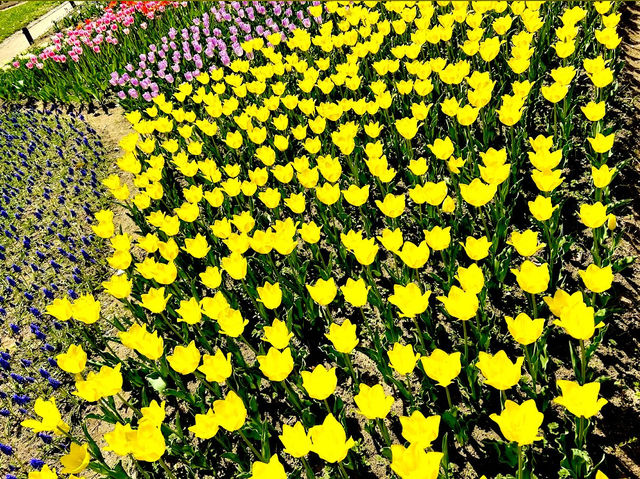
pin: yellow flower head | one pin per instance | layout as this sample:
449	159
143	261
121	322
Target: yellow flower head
438	238
61	309
602	143
270	295
76	460
277	334
597	279
498	369
231	322
295	440
542	208
372	402
581	401
73	361
460	304
420	430
343	337
356	196
414	461
578	321
477	193
402	358
230	412
276	365
206	425
414	256
531	278
471	279
409	299
329	440
86	309
51	418
407	127
593	216
476	249
323	292
520	423
235	265
196	247
526	243
268	470
320	383
185	359
355	292
524	329
443	368
442	148
392	205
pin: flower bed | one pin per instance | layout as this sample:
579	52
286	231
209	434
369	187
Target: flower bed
51	166
383	245
76	65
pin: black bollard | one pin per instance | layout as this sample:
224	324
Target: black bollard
27	34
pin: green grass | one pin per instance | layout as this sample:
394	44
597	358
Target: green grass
13	19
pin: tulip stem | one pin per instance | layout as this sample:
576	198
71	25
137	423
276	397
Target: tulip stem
293	396
253	449
384	431
532	369
583	362
519	461
307	468
166	468
351	370
343	473
419	331
326	404
534	305
466	346
446	390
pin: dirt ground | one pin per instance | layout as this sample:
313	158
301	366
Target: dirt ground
620	355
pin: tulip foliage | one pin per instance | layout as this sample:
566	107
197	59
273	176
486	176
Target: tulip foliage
350	246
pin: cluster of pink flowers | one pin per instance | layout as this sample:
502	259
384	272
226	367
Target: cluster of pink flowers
93	33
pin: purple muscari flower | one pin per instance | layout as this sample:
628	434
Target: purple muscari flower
46	438
6	449
20	400
36	463
55	384
17	378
